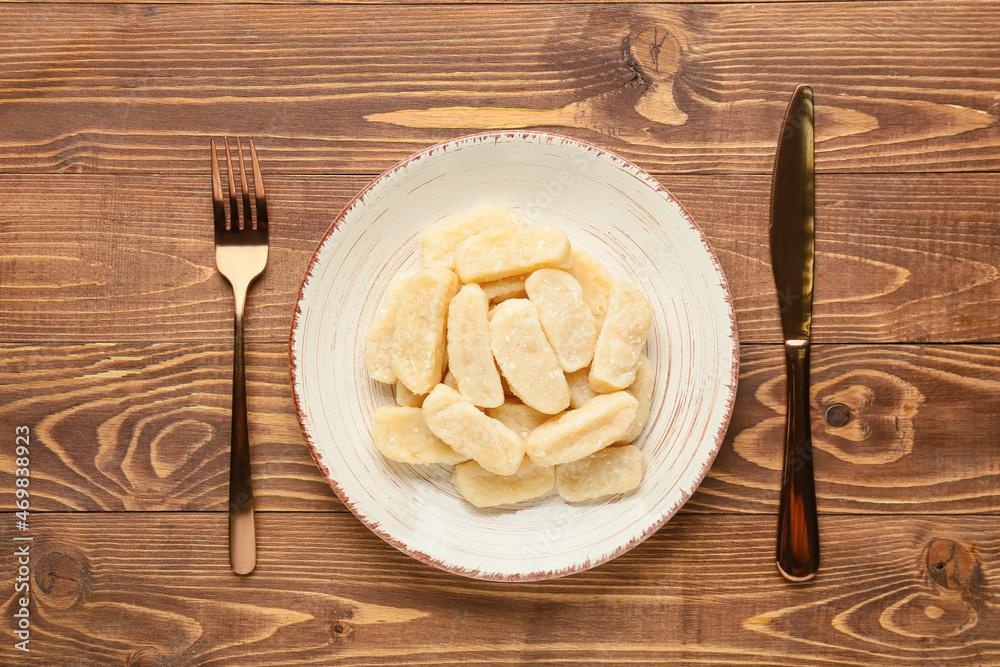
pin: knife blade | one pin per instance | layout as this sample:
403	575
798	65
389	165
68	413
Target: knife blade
792	236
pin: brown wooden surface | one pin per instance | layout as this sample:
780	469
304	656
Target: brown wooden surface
681	88
146	427
901	257
423	2
115	328
327	591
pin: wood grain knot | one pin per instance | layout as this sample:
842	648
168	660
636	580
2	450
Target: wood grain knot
654	53
873	413
954	567
957	604
838	415
62	577
340	629
947	612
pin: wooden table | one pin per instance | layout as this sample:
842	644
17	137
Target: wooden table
117	341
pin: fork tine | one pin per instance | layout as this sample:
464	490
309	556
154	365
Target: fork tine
234	209
244	190
258	190
217	206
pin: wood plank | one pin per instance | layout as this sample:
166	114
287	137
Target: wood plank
899	258
352	89
146	427
416	2
921	435
108	259
98	258
145	589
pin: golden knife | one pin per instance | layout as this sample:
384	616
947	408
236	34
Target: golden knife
793	221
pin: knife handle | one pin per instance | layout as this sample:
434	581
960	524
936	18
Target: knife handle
798	531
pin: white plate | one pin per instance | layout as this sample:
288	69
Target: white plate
607	206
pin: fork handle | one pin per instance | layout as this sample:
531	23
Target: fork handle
798	530
242	537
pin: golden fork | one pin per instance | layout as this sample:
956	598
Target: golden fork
241	255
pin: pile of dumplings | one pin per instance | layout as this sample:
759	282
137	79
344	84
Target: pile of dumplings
517	359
